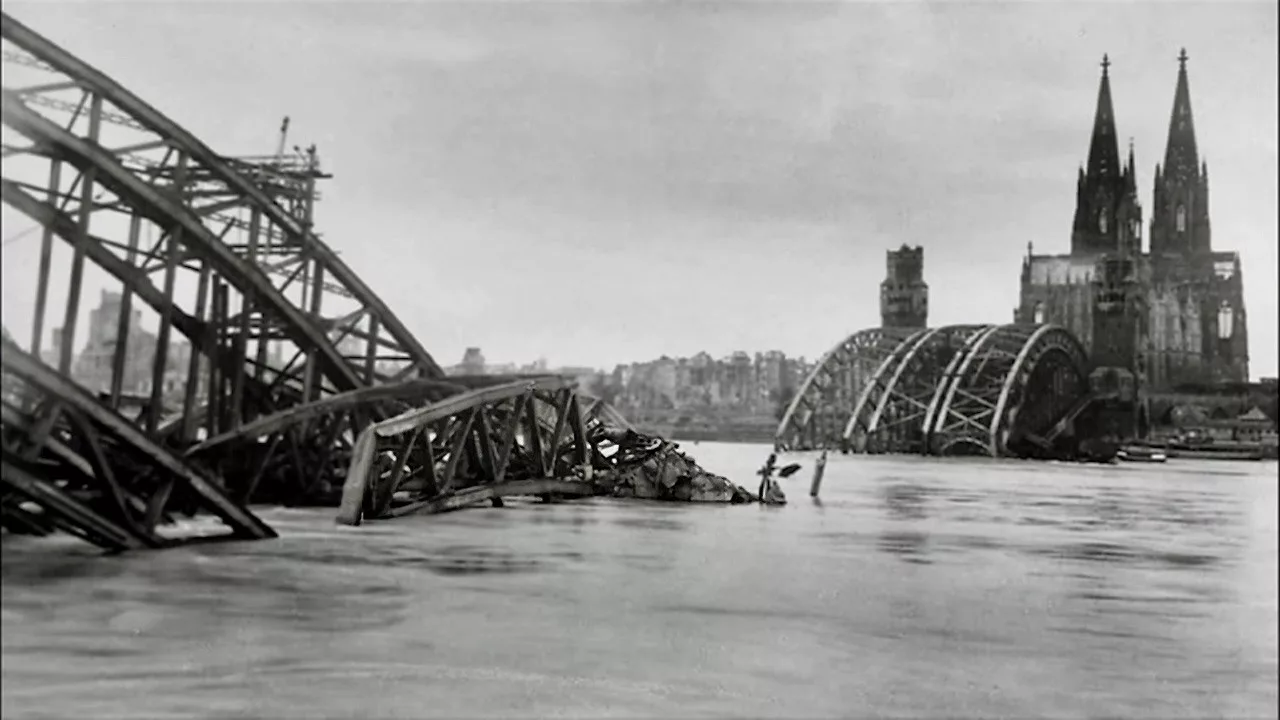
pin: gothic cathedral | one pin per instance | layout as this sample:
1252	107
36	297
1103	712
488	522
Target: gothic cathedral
1189	317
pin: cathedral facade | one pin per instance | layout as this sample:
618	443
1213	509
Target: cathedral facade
1190	313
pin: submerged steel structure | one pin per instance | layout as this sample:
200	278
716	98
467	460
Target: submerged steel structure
994	390
223	251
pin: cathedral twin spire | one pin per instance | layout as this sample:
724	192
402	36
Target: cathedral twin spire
1108	214
1180	215
1180	154
1104	152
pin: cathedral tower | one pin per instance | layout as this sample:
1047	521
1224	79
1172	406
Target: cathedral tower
1180	208
1108	217
1119	341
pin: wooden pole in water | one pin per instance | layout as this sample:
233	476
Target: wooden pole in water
818	468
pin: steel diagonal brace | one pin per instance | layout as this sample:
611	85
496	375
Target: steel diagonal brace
92	79
135	278
23	365
895	360
72	515
164	210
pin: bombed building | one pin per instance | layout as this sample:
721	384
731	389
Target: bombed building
1189	306
904	295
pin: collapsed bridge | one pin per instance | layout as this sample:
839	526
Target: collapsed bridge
995	390
276	374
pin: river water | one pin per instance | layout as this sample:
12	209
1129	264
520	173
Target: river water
916	588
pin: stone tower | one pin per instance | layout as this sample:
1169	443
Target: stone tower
1119	342
904	295
1108	216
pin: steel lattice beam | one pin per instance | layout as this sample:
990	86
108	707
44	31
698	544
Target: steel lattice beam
974	415
277	323
890	416
482	438
141	198
91	470
825	400
221	172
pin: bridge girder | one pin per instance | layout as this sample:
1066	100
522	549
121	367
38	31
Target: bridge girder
961	388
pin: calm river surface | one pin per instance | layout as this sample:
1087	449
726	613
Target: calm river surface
917	588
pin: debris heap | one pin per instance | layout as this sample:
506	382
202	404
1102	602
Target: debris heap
651	468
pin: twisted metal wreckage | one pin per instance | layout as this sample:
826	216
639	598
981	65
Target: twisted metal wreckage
224	252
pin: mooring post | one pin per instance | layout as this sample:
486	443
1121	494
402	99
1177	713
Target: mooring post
818	468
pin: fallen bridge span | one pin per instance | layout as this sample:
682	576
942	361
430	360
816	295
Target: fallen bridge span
275	375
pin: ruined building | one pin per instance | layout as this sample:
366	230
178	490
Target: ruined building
1192	328
904	295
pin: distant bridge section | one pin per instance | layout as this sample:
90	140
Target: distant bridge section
997	390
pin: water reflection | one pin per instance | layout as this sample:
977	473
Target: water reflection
909	546
905	500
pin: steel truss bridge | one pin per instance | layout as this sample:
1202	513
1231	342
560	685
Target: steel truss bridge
301	384
994	390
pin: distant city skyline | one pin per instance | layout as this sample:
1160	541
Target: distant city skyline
542	363
637	179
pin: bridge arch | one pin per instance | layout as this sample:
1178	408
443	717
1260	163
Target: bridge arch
826	398
987	389
1014	383
890	416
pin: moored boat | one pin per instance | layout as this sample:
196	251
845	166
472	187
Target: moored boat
1138	453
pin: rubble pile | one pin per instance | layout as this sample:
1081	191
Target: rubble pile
650	468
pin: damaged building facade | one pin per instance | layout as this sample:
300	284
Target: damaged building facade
1189	310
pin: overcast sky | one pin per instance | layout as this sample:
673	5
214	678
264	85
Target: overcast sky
604	182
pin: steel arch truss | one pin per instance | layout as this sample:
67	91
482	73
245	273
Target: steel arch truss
825	401
222	250
984	389
479	445
1013	384
890	414
71	463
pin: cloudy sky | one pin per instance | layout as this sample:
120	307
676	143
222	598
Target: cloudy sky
605	182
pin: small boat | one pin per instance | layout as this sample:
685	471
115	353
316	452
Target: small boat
1138	453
